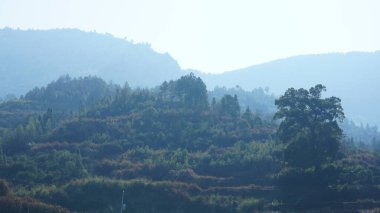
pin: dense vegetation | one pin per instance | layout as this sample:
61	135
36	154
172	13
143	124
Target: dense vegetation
76	144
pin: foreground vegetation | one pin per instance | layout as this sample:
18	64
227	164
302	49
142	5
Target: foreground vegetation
78	143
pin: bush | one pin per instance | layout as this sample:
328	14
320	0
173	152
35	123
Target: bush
251	205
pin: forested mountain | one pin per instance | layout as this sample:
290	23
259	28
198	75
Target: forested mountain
77	143
353	77
36	57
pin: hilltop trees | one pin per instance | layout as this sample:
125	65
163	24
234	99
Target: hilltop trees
230	106
189	91
309	126
68	93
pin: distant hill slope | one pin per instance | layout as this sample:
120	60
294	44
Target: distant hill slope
36	57
354	77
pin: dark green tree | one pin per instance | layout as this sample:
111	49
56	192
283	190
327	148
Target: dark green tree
229	105
191	91
309	126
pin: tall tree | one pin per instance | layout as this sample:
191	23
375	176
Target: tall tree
309	126
192	91
189	91
229	105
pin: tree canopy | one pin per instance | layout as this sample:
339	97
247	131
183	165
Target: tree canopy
309	125
179	148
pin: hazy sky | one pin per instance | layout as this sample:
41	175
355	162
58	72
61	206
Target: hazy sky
213	35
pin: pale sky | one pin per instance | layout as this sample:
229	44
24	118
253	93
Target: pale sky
213	35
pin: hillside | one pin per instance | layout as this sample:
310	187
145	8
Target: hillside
171	149
36	57
354	77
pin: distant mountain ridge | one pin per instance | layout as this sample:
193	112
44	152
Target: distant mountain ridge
36	57
312	69
354	77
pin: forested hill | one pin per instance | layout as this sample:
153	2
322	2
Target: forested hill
354	77
76	144
36	57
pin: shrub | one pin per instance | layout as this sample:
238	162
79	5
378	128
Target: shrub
251	205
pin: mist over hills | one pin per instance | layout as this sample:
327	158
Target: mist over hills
36	57
354	77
